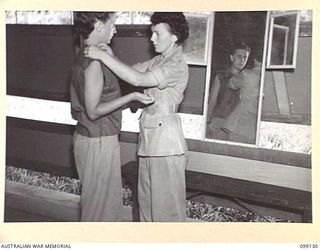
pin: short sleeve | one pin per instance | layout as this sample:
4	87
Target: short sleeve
142	67
170	73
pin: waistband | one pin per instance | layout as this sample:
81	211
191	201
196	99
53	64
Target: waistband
161	109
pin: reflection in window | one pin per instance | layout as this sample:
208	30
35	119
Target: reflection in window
279	50
305	15
133	17
45	17
123	17
283	39
139	17
66	17
195	46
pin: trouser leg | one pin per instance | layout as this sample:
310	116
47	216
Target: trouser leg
98	164
144	191
162	189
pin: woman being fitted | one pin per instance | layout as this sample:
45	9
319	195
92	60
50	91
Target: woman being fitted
96	104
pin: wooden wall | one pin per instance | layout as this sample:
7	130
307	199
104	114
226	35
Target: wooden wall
38	60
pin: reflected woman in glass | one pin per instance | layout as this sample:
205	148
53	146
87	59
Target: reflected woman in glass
234	116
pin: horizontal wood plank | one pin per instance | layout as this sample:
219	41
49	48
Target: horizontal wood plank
250	191
45	202
251	170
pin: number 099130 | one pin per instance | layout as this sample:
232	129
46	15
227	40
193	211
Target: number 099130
308	246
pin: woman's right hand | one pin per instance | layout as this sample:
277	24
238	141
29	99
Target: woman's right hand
143	98
106	48
93	52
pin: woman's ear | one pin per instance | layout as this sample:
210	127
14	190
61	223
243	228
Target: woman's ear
98	25
231	58
174	38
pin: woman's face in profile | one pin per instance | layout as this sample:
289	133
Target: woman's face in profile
162	38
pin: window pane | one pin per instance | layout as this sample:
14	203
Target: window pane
195	46
140	17
39	17
123	17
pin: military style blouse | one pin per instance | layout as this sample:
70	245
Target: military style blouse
160	126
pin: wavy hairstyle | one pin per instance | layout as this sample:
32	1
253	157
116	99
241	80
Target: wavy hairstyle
176	21
84	23
239	45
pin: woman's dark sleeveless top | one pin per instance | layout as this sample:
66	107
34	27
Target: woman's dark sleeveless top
106	125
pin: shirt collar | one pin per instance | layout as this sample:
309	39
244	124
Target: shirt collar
173	52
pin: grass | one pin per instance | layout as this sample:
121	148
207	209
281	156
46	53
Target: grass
30	177
213	213
58	183
194	209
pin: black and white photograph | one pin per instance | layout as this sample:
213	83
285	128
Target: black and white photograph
158	116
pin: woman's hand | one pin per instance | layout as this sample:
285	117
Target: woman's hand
94	52
143	98
106	48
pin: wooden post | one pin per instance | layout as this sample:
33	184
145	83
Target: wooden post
281	93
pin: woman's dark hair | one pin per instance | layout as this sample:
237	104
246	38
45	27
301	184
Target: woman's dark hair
177	22
239	45
84	23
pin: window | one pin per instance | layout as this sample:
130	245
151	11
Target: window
45	17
